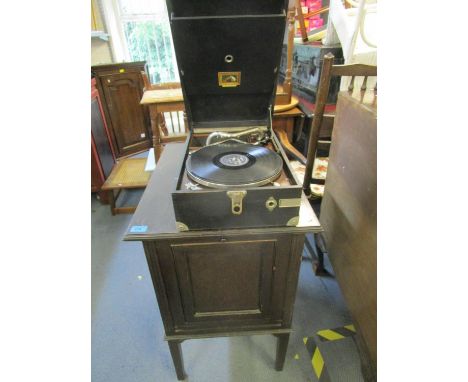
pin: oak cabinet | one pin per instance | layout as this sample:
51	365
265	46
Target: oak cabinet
121	89
216	283
227	282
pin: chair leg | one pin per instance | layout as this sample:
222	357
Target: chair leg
319	267
110	193
319	250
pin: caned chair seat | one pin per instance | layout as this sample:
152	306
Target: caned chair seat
319	172
128	173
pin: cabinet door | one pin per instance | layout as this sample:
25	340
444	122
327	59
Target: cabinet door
129	122
227	283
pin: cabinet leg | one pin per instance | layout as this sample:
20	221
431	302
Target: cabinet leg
176	353
281	348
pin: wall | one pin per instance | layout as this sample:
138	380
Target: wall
101	52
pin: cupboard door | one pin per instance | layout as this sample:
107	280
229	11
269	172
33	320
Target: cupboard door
129	122
225	280
227	283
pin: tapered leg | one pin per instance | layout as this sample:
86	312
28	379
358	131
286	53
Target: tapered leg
176	353
281	348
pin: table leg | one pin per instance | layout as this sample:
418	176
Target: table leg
176	353
110	194
281	348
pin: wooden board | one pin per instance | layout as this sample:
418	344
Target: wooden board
349	214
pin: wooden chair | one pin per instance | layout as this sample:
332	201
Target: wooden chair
360	92
300	18
168	120
171	122
328	70
128	173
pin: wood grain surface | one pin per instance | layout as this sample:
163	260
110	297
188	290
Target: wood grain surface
349	213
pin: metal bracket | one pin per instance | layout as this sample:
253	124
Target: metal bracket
294	202
293	221
182	227
236	201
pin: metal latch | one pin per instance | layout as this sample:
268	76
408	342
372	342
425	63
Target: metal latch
236	201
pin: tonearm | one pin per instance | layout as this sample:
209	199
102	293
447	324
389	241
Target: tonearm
259	132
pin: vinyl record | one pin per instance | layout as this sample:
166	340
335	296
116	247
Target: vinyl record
233	164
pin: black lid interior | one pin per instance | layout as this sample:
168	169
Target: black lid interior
202	44
190	8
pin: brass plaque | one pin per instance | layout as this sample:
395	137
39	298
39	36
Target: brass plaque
294	202
229	79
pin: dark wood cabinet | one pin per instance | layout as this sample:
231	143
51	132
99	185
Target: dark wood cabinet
102	156
121	89
213	283
227	282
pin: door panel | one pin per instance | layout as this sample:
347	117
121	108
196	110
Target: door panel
225	280
226	283
130	127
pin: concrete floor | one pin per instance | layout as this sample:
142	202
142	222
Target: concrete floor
127	331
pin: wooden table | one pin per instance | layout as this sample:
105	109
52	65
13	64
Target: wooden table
161	101
349	215
167	100
216	283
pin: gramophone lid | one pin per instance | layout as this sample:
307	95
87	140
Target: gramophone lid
228	65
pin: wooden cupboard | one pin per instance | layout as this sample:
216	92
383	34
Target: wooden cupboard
121	88
220	282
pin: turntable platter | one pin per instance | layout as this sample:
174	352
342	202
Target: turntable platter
233	164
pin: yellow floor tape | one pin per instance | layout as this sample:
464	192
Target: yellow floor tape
316	360
336	333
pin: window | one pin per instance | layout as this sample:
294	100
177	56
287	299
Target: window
144	25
